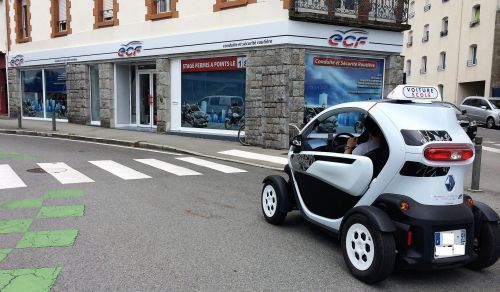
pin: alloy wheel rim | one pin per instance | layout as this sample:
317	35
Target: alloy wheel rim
269	201
359	247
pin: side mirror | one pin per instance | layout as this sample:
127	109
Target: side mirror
296	142
464	112
484	107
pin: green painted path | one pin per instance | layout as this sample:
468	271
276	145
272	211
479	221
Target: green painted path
28	280
14	226
21	204
61	211
53	238
69	193
16	156
4	253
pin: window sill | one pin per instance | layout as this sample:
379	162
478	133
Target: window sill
163	15
232	4
103	24
60	33
23	40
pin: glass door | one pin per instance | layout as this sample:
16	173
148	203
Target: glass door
147	100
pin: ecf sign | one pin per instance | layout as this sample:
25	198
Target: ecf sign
130	50
349	39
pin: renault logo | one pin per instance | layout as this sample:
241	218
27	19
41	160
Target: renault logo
450	183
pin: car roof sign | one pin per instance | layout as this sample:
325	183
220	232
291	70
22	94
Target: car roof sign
415	93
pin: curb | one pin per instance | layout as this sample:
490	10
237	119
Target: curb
132	144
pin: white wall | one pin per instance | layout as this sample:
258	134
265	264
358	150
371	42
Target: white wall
3	28
194	16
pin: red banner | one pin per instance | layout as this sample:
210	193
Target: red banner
214	64
345	63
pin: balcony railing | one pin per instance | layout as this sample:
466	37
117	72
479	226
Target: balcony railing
380	14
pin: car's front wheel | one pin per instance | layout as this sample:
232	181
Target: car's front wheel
369	253
486	246
490	123
274	199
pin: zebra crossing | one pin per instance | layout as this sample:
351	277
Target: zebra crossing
65	174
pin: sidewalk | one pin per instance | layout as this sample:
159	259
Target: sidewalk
205	147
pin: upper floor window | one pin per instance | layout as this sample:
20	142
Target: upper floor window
22	19
161	9
411	12
444	27
472	56
225	4
408	67
423	66
105	13
60	17
410	39
425	37
476	15
442	61
427	5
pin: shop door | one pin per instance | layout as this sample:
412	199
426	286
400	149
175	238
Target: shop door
147	100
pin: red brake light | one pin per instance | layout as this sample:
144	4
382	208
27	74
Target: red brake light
449	152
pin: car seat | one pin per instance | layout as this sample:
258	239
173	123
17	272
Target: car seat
378	157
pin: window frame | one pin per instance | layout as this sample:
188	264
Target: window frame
472	60
54	19
153	15
423	65
228	4
442	61
99	22
408	67
426	36
20	20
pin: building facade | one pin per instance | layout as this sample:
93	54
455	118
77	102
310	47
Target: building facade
454	45
189	65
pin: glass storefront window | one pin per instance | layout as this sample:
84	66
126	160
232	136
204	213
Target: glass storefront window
213	92
40	102
56	99
32	87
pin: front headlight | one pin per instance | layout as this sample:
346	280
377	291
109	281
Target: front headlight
473	123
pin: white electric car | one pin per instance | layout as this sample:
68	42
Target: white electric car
401	204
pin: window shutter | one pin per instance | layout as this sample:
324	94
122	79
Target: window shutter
62	10
107	5
23	3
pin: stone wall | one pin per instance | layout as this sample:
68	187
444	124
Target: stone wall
274	95
78	89
495	74
393	75
15	93
163	95
106	94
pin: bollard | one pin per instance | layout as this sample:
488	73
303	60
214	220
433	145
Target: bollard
476	165
53	118
19	118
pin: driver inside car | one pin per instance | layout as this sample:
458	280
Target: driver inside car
375	139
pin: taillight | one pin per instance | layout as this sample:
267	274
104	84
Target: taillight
449	152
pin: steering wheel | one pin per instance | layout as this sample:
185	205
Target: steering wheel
332	143
343	135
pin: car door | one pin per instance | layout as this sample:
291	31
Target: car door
473	108
484	110
329	182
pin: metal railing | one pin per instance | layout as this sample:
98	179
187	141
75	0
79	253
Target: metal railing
395	11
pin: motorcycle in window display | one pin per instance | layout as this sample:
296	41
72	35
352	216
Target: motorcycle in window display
234	116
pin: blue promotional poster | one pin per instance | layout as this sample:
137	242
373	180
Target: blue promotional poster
331	80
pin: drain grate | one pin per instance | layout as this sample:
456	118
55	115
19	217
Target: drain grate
36	170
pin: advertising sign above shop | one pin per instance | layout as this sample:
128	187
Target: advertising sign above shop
214	64
259	35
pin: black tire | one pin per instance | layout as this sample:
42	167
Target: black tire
380	264
242	138
486	246
490	123
274	199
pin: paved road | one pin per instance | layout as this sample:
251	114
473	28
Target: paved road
154	222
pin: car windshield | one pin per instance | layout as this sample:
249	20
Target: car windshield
450	105
495	103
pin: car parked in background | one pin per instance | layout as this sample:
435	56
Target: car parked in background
483	110
469	125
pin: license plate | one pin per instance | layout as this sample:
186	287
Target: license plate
449	243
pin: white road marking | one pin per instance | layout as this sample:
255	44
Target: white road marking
172	168
216	166
491	149
119	170
9	179
256	156
65	174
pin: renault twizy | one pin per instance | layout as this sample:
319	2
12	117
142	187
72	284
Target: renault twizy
402	204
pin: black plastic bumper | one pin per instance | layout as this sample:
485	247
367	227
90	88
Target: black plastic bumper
423	221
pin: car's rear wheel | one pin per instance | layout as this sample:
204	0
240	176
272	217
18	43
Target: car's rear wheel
274	199
486	246
369	253
490	123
